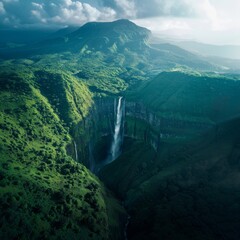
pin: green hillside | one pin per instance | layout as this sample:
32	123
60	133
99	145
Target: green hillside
44	193
120	43
203	97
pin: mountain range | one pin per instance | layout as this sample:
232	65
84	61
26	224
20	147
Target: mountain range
123	38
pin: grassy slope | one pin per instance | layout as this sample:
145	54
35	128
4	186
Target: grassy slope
192	97
44	193
180	105
70	98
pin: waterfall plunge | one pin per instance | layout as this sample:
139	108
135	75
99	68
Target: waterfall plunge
76	152
118	136
117	141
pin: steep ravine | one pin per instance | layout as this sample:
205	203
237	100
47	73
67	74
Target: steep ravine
161	125
139	125
185	191
93	136
44	192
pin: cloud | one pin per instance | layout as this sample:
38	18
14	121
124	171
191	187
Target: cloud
76	12
176	16
53	13
26	12
38	5
154	8
2	10
210	21
127	8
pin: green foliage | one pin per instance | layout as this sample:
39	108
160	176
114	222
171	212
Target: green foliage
44	194
70	98
195	97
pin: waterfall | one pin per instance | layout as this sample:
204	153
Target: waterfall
118	136
76	153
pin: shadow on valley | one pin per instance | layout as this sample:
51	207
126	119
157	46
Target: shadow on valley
183	191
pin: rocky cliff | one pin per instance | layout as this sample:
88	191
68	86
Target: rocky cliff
94	135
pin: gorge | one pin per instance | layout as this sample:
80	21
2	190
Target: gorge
155	145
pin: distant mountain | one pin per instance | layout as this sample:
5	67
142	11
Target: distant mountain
107	37
232	64
63	31
224	51
110	35
172	54
121	41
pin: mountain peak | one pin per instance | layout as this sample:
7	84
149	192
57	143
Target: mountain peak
119	22
120	26
103	35
124	21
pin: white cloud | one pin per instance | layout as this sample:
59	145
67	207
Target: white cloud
210	21
198	19
68	2
204	9
76	12
2	10
56	12
159	24
37	15
128	7
38	5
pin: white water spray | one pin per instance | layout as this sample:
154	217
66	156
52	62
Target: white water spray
76	153
117	137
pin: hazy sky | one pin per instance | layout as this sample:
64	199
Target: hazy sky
212	21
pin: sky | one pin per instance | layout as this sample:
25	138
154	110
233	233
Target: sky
209	21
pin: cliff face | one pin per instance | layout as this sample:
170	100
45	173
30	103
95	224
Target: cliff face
94	134
88	134
143	124
182	188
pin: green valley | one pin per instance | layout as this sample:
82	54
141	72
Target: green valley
44	192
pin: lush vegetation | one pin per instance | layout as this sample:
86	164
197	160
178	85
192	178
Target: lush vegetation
44	193
196	96
176	106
